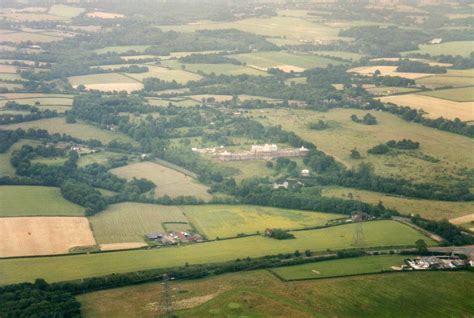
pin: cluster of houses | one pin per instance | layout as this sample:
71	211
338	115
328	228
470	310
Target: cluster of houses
256	152
173	238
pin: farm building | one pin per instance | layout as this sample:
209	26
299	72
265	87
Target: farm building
305	173
258	152
435	262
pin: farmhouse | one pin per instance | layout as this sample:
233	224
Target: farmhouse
305	173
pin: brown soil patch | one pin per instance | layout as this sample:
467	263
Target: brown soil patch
28	236
11	69
463	219
121	246
434	107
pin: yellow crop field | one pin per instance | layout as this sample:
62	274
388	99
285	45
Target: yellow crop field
434	107
228	221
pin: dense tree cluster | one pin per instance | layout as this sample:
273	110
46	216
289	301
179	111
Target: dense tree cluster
34	113
368	119
407	144
419	67
280	234
84	195
38	299
448	231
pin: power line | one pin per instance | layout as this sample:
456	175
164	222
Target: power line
358	239
166	296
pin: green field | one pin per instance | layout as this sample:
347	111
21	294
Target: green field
65	11
227	221
218	69
260	294
43	101
129	222
446	80
100	158
165	74
385	90
464	94
169	181
274	59
288	29
380	233
78	130
340	267
463	48
430	209
35	201
452	151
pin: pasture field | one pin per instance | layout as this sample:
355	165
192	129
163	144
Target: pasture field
44	101
463	48
430	209
79	130
101	157
379	233
129	222
10	85
228	221
464	94
64	11
260	294
165	74
35	201
285	61
386	71
340	267
10	77
452	151
247	169
161	102
389	90
218	69
435	107
168	181
122	49
106	82
28	236
446	80
291	29
17	37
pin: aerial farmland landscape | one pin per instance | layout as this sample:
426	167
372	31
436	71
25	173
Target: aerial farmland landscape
225	158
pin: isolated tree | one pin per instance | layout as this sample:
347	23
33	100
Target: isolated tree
355	154
421	246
